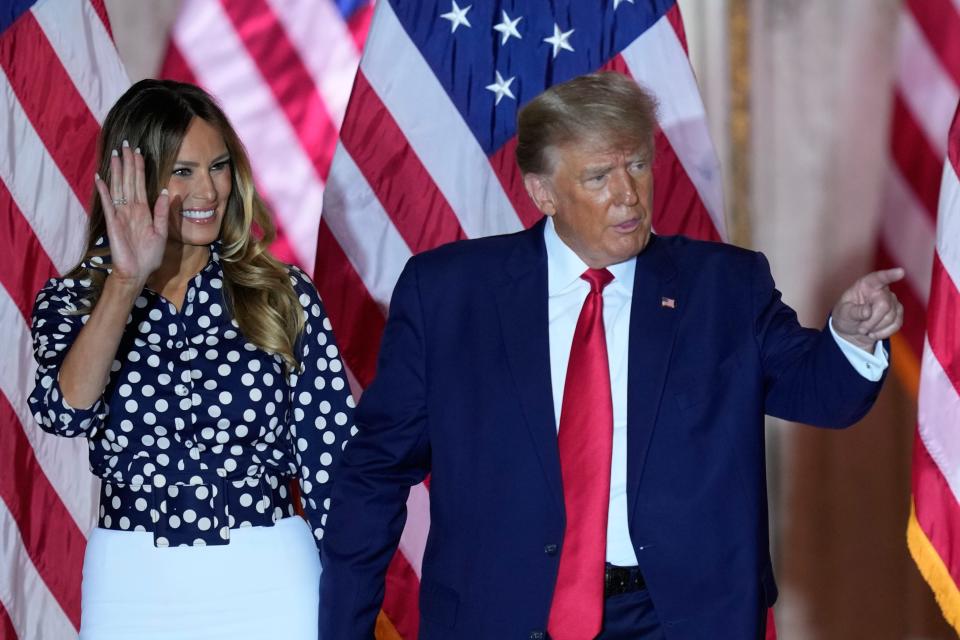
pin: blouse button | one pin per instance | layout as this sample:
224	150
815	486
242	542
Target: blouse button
181	390
179	344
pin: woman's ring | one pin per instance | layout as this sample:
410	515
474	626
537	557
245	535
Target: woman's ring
117	201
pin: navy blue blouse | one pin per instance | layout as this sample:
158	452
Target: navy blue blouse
198	431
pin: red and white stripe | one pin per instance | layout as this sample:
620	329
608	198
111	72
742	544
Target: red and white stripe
927	243
47	495
935	519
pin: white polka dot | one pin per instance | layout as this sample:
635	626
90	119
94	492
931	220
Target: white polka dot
329	437
247	379
140	504
153	361
225	397
254	365
202	492
130	406
133	377
305	397
174	521
340	418
189	515
215	309
233	356
246	500
241	431
337	384
214	411
255	394
161	405
224	369
125	390
326	459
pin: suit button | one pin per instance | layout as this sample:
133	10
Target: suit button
550	549
537	635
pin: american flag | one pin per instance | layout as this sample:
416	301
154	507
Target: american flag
926	94
424	156
935	515
59	74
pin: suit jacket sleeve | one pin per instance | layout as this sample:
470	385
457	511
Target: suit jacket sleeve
806	376
390	453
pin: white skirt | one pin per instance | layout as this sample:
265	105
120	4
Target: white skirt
264	584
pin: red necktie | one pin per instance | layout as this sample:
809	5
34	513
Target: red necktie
586	446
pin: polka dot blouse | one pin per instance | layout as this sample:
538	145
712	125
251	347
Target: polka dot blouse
198	431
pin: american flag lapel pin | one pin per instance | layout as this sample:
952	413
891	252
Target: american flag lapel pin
669	303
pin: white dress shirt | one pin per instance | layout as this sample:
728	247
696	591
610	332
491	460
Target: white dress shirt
566	293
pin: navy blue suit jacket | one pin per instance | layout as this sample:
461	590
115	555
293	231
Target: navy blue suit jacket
463	392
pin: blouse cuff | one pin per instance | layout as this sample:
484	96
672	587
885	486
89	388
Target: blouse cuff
56	415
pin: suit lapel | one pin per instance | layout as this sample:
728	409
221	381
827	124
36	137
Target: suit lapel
654	316
522	306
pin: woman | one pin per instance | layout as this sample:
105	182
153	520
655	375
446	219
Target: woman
204	374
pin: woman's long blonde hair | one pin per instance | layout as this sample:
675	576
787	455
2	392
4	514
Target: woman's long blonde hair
154	115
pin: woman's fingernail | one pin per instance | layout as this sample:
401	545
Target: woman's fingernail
96	177
126	143
163	192
114	153
137	151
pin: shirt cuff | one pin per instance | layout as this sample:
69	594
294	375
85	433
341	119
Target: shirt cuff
869	365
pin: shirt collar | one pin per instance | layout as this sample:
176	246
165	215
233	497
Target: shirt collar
564	266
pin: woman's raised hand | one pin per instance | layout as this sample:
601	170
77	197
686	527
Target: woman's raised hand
137	238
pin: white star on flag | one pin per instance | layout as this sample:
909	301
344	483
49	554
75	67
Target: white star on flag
559	40
617	3
502	88
507	28
457	16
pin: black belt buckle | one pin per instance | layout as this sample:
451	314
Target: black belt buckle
618	580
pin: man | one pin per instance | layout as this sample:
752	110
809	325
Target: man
588	398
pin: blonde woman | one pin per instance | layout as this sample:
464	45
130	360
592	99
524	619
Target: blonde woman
204	374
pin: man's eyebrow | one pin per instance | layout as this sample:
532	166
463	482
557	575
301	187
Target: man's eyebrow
597	168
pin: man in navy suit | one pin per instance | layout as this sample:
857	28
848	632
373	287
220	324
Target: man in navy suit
588	363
